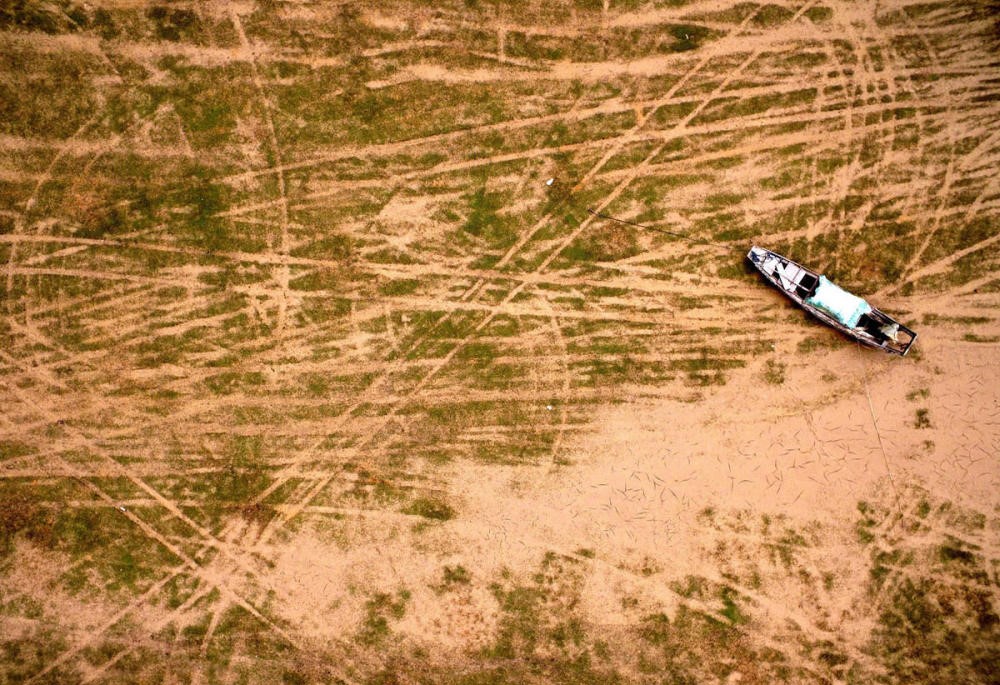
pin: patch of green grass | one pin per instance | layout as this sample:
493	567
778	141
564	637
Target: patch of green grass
864	526
774	372
381	490
805	60
232	488
540	633
519	44
478	353
730	609
930	593
624	369
929	632
923	508
24	656
12	449
179	590
688	36
733	108
20	514
972	337
237	629
404	286
60	16
786	547
327	307
428	508
453	576
690	648
102	652
200	199
111	558
814	342
819	14
706	361
483	221
483	371
317	384
174	24
379	610
610	242
772	15
930	319
688	302
952	552
82	530
229	382
45	95
692	586
126	568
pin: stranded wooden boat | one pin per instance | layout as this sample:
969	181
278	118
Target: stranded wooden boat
831	304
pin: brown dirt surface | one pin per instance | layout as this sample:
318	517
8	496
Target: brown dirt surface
308	375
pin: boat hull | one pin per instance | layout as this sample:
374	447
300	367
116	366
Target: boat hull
837	308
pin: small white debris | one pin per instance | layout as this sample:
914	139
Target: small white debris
121	508
550	181
549	407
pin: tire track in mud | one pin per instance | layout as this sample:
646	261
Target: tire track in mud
549	317
846	179
80	438
940	266
567	380
282	271
209	540
347	415
944	190
476	288
66	148
612	106
29	204
543	266
44	371
206	572
102	629
336	188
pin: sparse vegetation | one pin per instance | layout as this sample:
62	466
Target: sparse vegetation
456	576
380	610
934	620
297	345
430	509
774	372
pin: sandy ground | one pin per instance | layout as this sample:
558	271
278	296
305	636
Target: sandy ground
413	415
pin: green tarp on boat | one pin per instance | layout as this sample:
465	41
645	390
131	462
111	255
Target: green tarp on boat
839	303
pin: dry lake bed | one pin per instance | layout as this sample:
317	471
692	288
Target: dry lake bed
307	375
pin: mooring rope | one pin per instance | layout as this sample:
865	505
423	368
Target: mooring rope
878	434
